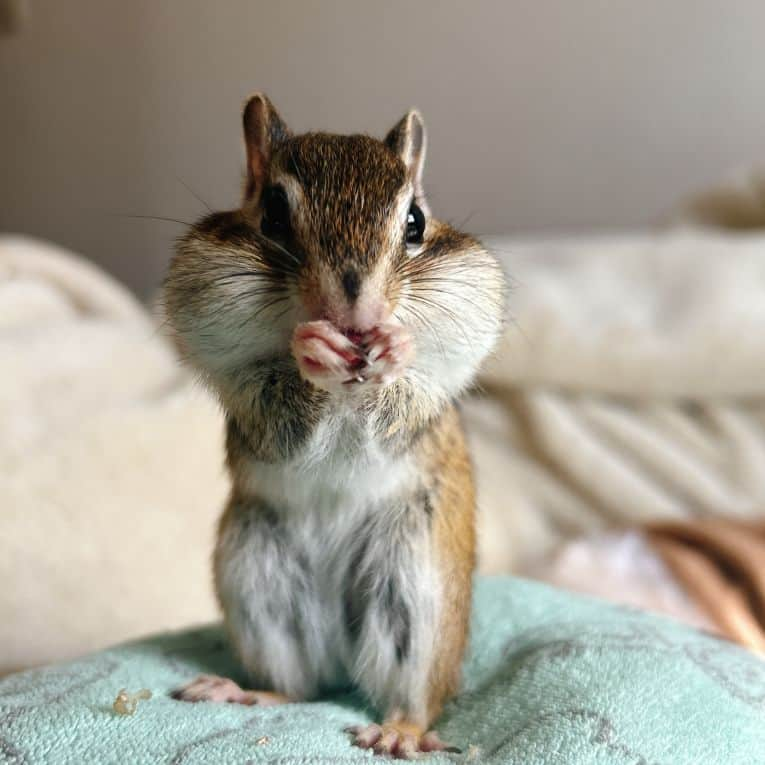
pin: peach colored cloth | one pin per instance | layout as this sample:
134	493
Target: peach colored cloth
721	565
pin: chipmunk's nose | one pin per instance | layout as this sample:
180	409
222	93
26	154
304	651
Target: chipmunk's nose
353	300
351	284
361	305
362	316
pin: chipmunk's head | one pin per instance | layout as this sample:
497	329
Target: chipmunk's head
349	210
333	228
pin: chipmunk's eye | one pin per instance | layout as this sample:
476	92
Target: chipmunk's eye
276	213
415	225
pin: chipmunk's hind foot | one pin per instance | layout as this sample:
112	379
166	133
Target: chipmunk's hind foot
398	739
221	690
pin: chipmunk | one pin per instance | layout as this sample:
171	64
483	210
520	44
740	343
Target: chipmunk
337	321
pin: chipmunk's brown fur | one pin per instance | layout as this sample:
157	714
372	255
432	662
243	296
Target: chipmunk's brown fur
454	546
338	321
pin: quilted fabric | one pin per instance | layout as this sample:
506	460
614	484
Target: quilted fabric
550	678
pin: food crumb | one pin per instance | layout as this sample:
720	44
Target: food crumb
263	740
473	753
126	702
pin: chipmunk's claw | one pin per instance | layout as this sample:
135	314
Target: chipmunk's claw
398	740
331	360
223	690
325	356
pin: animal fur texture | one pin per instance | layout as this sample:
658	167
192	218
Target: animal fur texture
338	321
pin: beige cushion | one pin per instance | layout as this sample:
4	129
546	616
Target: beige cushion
111	475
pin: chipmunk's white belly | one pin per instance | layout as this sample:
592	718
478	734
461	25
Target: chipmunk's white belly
283	574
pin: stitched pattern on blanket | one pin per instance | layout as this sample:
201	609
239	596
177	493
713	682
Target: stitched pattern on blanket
550	678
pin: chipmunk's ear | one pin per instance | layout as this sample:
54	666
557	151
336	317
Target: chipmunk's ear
408	140
263	129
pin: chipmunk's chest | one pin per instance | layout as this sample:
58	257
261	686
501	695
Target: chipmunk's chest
342	470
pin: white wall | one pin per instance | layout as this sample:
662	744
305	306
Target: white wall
542	113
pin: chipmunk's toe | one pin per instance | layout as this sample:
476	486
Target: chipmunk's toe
389	349
324	355
221	690
400	740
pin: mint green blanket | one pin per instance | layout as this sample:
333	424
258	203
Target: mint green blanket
551	678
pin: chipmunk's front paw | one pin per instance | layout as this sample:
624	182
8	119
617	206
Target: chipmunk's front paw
389	349
325	356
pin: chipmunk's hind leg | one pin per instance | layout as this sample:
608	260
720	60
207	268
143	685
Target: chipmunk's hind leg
393	604
223	690
408	592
